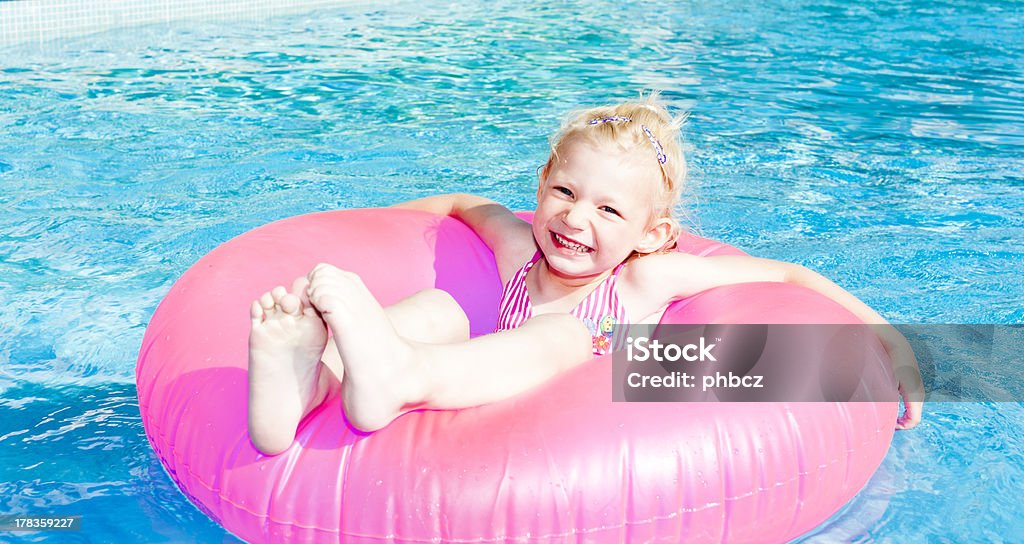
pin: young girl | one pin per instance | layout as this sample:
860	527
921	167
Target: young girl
595	248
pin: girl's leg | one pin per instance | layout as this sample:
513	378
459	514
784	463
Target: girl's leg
289	340
387	375
501	365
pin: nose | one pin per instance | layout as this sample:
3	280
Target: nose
575	217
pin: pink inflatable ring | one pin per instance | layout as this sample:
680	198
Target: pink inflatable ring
559	464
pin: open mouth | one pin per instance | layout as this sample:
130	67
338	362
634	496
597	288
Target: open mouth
571	245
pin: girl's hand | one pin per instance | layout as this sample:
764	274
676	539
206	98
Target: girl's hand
907	373
911	415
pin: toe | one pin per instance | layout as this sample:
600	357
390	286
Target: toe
291	304
300	288
316	271
267	302
278	292
256	312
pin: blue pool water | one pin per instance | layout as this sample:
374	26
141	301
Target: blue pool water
881	145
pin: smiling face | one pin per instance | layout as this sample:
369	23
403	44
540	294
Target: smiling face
595	206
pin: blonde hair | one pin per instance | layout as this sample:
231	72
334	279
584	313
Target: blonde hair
645	126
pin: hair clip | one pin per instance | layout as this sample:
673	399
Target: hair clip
662	157
601	120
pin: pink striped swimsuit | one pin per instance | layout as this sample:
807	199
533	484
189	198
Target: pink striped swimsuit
600	311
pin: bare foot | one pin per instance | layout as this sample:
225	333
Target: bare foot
383	376
286	380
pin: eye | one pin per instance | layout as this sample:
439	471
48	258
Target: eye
611	210
564	191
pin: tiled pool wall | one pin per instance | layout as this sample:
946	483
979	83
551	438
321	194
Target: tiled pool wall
42	21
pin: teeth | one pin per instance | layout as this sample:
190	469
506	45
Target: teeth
571	245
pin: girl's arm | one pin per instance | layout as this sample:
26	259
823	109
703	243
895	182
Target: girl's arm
509	237
904	363
679	275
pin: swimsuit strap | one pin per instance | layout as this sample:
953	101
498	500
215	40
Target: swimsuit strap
617	269
514	307
533	260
